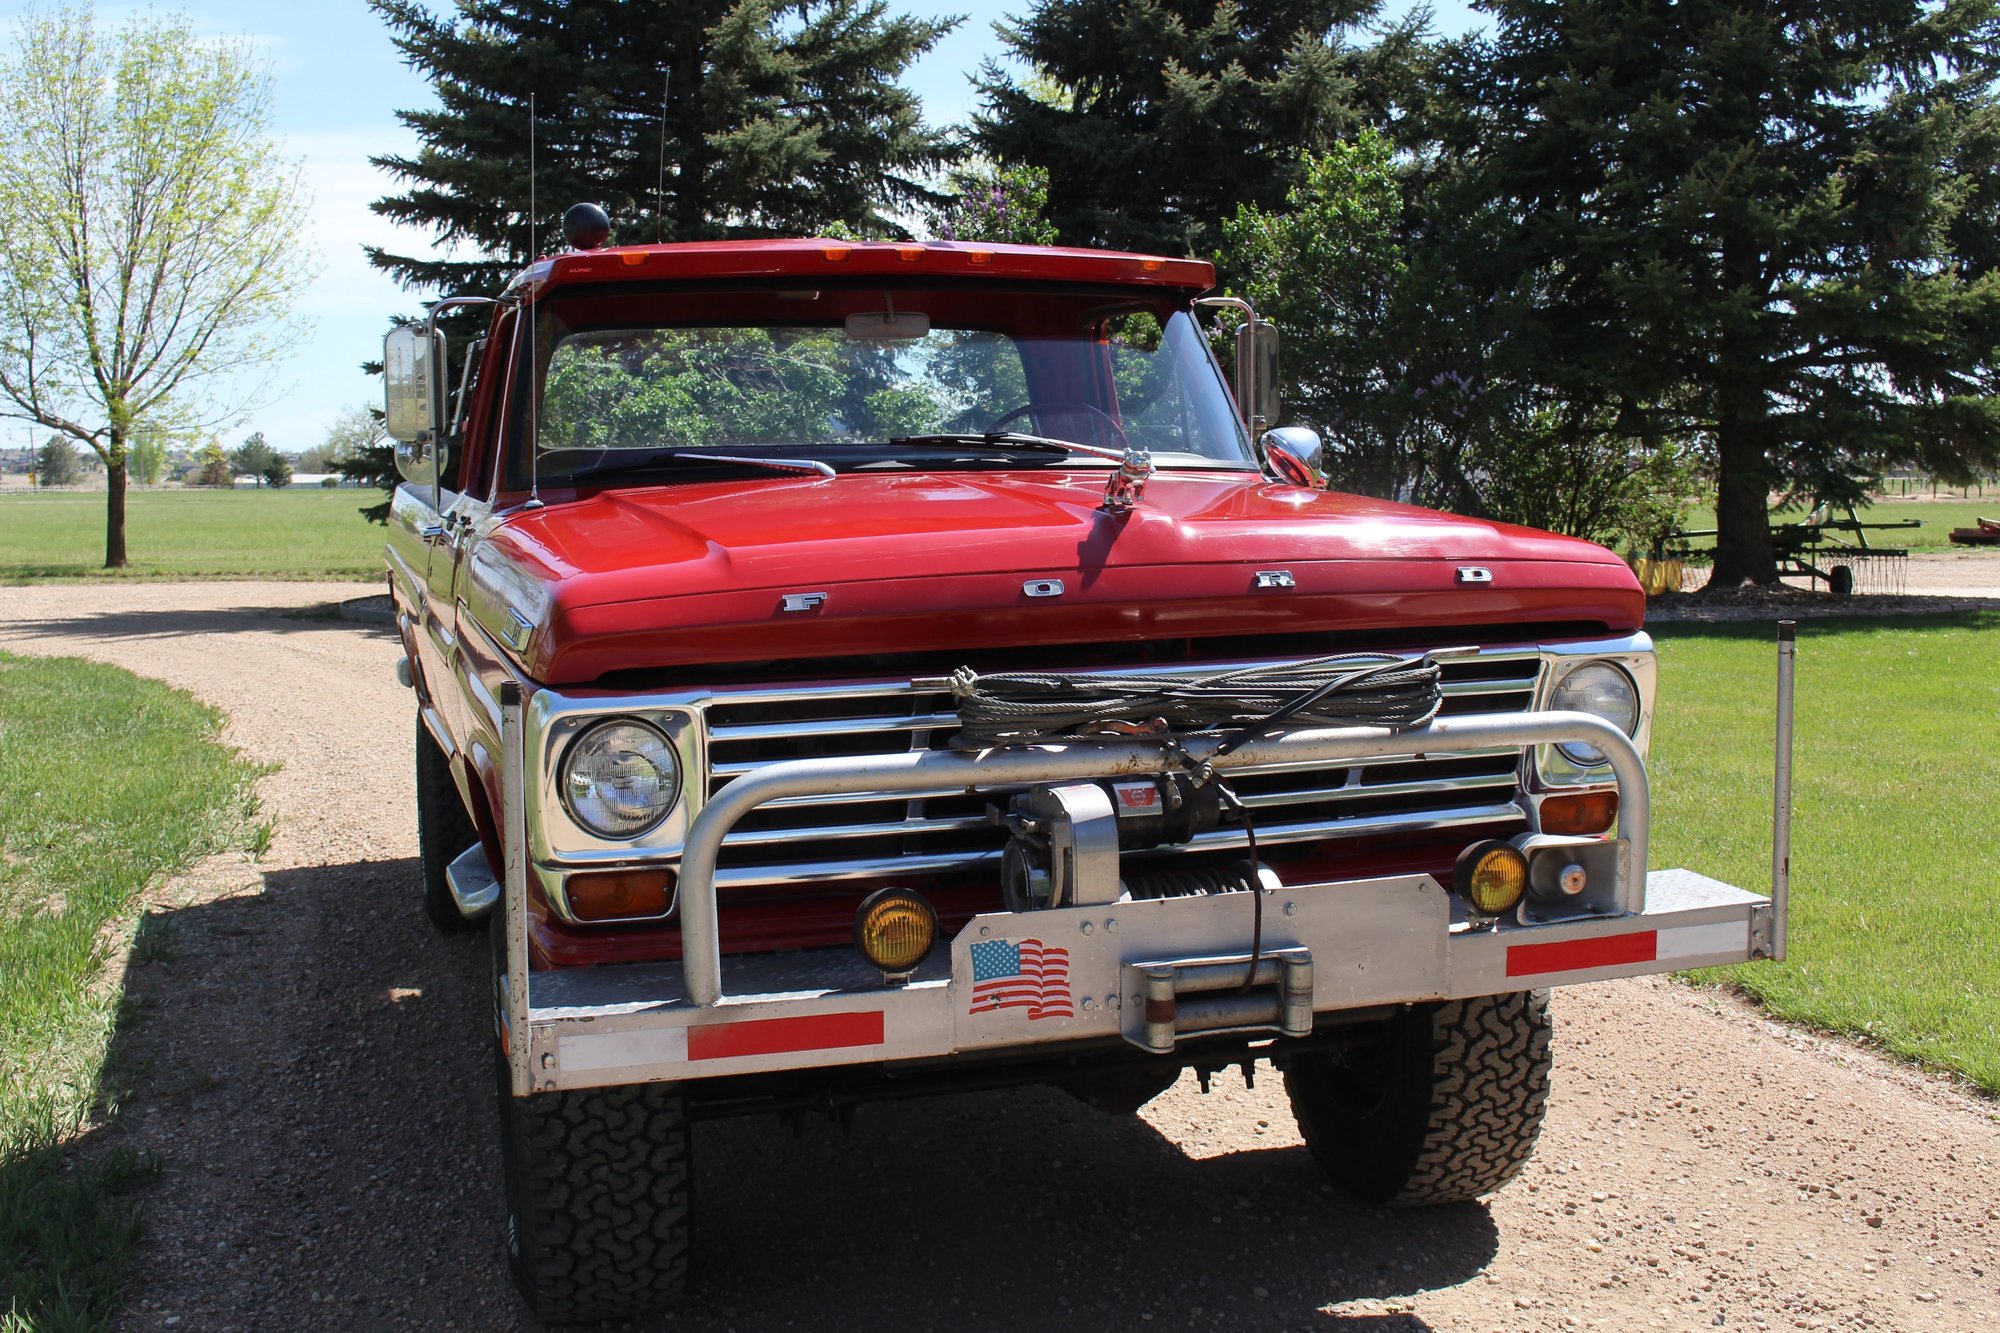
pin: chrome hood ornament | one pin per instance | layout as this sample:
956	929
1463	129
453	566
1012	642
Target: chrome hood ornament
1128	483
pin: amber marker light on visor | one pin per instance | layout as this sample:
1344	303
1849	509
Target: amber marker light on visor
1579	812
894	929
617	895
1491	876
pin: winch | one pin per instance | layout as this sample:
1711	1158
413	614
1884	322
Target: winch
1068	839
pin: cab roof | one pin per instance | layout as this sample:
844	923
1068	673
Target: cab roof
813	258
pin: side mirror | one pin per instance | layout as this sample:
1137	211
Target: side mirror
1257	373
412	385
1294	455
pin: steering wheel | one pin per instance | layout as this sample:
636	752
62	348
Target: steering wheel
1060	405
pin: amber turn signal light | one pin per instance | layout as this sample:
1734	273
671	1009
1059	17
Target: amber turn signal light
617	895
894	929
1491	876
1581	812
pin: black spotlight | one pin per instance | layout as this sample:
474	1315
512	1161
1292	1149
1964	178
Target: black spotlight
586	226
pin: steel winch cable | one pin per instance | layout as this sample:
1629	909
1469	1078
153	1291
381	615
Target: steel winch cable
1355	689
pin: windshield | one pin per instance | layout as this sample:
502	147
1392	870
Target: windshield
871	379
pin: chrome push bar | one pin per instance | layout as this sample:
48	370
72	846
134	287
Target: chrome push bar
1072	759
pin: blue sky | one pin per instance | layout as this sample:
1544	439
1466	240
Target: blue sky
339	82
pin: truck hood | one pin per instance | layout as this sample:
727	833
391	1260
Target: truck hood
662	576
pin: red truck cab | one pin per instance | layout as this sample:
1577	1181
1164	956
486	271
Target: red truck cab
850	669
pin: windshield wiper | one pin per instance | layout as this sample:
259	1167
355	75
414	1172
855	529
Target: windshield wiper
1121	493
1007	439
810	466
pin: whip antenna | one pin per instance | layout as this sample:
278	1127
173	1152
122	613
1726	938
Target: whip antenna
534	348
660	190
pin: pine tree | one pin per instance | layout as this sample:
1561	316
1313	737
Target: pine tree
212	466
687	119
252	458
56	463
1772	230
1154	119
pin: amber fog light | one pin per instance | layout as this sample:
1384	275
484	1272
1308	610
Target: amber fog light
1579	812
618	895
894	929
1491	877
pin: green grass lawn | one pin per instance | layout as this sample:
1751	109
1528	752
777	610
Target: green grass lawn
107	781
1938	517
1896	838
294	533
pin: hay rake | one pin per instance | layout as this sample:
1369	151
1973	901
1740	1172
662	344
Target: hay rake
1820	547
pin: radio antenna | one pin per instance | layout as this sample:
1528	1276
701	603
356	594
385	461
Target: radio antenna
527	317
660	191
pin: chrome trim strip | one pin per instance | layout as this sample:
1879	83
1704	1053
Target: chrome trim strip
779	836
860	798
838	726
1361	791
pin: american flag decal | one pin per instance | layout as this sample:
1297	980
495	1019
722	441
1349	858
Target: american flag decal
1029	975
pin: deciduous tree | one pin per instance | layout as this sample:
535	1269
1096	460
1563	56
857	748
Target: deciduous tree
150	232
992	202
1414	400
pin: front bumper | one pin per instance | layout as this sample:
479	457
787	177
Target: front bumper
1144	971
1370	942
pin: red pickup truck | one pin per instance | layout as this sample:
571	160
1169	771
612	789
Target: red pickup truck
854	670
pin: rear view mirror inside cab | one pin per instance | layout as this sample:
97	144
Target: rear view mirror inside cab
888	326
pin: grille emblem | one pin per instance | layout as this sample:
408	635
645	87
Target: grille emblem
1043	587
803	601
1275	578
1474	574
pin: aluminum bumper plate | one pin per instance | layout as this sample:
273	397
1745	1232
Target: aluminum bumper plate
1016	980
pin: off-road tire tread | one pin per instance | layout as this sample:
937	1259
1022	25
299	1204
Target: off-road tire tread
600	1200
1475	1113
444	829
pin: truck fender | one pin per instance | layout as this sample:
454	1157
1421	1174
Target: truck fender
479	783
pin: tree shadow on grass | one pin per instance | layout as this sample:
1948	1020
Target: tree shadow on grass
1765	630
314	1067
176	623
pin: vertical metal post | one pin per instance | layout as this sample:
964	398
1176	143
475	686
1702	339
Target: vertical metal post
1781	810
514	892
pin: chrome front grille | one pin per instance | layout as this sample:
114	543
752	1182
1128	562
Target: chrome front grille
862	835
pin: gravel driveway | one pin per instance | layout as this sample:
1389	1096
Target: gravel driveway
315	1074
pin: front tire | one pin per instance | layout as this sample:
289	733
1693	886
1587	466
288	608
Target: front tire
598	1185
444	829
1443	1107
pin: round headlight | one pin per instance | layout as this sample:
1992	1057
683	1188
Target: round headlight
1601	690
620	778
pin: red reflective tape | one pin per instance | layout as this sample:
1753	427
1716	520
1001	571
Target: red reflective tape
770	1036
1524	960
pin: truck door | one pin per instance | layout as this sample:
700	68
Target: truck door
427	537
